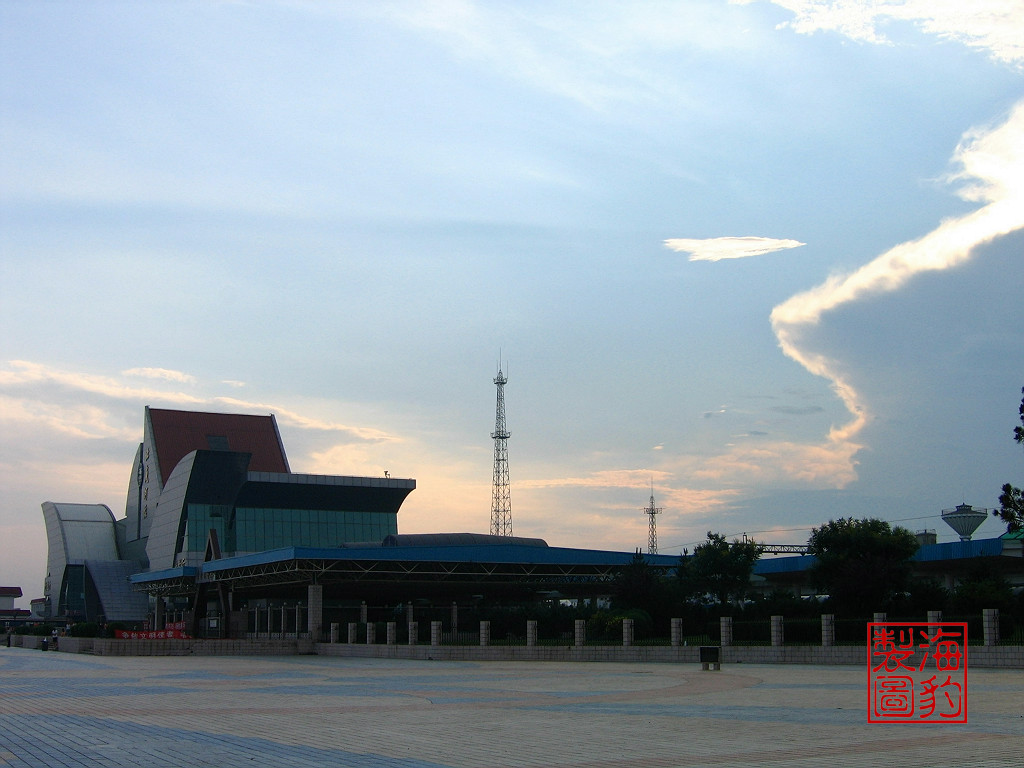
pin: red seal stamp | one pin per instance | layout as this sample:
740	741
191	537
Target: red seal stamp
917	672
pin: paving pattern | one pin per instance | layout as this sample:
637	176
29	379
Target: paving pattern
58	709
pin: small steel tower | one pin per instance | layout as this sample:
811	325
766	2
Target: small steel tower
652	532
501	499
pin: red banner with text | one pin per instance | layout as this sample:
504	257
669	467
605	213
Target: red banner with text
151	634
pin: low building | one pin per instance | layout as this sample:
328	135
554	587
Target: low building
947	563
8	613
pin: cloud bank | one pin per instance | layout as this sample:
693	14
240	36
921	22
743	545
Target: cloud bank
990	162
718	248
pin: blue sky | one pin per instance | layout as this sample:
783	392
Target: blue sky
765	256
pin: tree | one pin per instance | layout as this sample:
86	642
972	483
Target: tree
861	564
639	585
719	568
982	587
1012	499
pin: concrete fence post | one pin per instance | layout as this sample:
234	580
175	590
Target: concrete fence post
725	628
392	633
435	633
579	633
414	631
409	618
531	633
352	629
778	631
677	632
934	617
362	612
627	633
314	614
880	617
371	633
334	632
485	633
828	629
990	625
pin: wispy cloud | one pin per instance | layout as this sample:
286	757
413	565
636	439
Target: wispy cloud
718	248
73	420
605	57
831	465
990	162
161	373
23	372
293	418
610	478
681	499
26	399
994	26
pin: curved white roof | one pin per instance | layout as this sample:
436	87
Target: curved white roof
78	532
84	513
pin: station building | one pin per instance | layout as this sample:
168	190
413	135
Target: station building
199	477
217	528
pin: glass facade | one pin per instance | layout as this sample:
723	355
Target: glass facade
253	529
201	518
72	593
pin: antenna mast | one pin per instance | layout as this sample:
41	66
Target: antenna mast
652	532
501	499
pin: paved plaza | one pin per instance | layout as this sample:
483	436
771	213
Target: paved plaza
58	709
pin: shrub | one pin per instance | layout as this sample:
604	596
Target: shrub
85	629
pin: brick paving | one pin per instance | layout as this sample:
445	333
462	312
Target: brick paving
58	709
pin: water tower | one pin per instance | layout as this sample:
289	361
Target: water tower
965	519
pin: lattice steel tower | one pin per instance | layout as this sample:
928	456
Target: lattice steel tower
652	531
501	499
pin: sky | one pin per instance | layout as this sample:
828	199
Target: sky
765	259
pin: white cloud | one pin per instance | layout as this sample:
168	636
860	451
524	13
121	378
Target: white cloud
718	248
993	26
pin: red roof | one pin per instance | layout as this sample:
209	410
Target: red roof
10	591
177	433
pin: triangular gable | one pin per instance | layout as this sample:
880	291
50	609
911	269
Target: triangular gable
178	433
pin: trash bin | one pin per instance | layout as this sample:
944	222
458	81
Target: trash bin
46	644
710	657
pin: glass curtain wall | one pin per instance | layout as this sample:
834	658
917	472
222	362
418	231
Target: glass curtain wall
251	529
